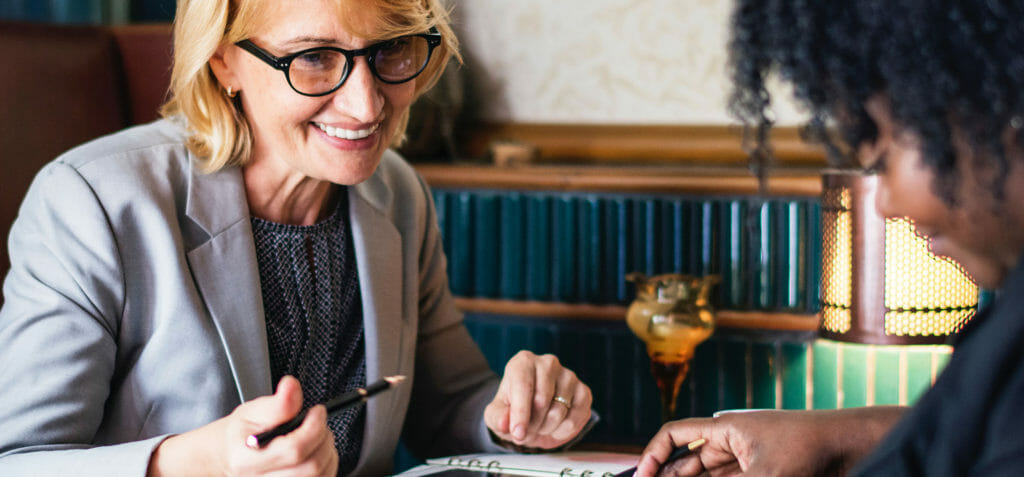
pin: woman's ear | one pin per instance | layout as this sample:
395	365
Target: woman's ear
221	67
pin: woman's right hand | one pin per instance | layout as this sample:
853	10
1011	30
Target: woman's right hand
791	443
219	448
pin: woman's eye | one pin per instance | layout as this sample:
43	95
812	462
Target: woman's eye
311	58
394	47
316	60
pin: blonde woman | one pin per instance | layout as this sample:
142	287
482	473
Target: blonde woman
179	286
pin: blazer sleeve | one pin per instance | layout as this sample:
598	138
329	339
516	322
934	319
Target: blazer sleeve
58	326
454	382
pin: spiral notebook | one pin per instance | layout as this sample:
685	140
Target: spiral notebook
558	464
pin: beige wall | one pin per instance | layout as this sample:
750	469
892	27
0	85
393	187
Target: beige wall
598	61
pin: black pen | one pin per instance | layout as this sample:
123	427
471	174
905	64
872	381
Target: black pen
339	403
677	453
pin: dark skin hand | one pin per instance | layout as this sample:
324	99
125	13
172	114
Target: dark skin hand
770	443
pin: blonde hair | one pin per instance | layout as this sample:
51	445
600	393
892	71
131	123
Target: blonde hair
220	135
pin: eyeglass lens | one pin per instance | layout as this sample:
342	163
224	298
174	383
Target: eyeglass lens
394	61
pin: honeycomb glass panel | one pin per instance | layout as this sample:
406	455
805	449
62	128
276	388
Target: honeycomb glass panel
836	319
837	254
925	295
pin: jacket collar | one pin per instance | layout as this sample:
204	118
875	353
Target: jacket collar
223	267
378	250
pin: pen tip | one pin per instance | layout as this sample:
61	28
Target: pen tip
695	444
392	380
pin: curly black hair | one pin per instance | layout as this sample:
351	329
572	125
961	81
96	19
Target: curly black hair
944	65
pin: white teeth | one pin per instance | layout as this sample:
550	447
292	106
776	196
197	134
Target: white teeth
347	133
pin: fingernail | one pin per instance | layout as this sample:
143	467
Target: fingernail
519	432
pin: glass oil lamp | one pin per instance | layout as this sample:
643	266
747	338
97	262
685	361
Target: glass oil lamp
671	315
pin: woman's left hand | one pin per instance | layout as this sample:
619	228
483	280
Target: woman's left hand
539	403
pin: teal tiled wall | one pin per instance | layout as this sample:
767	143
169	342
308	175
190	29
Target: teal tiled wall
578	247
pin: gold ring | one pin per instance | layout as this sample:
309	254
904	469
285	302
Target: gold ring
563	401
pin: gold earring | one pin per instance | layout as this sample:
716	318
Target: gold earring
232	94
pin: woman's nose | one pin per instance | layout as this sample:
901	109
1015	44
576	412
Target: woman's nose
360	97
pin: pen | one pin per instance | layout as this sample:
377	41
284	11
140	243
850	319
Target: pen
677	453
339	403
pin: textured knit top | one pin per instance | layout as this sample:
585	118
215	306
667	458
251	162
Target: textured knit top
314	316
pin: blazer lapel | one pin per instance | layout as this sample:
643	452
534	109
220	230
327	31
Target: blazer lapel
224	268
378	250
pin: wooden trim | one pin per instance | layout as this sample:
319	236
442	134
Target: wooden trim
623	179
759	320
604	143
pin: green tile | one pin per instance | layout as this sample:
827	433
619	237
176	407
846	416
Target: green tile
564	249
762	363
943	353
734	370
733	266
672	236
538	248
708	239
615	243
824	374
794	375
589	263
855	374
705	373
484	257
764	257
813	249
460	225
887	375
511	240
919	372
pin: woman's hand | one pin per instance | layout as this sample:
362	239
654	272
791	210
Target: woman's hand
791	443
539	403
219	448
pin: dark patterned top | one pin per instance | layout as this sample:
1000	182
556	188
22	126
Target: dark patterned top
314	316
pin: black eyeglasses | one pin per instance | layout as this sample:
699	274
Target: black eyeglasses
322	70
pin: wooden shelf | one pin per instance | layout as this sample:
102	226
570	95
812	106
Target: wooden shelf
638	143
758	320
702	180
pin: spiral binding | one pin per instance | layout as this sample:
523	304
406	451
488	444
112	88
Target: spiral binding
494	466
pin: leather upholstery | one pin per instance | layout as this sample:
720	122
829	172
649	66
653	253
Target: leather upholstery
62	85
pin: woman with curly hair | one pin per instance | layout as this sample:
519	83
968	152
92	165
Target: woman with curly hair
929	96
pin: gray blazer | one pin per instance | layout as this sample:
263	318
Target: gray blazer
133	311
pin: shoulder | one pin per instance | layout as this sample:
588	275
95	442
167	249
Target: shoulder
394	170
129	174
163	141
395	182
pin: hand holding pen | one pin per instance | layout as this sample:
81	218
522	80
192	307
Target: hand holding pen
677	453
770	442
219	447
340	403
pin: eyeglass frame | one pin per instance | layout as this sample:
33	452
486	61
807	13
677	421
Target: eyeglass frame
283	63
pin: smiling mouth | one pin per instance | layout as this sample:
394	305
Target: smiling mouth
349	134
